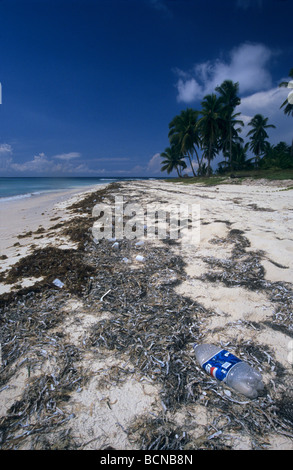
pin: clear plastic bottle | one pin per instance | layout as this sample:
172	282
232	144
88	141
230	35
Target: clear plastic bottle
226	367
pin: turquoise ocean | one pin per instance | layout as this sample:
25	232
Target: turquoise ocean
19	188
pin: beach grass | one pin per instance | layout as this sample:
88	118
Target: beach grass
237	177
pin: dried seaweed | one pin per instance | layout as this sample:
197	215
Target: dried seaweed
149	327
245	269
50	263
158	434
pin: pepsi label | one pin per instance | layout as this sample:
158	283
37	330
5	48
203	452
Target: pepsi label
220	364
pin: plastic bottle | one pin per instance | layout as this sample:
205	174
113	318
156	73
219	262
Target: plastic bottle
229	369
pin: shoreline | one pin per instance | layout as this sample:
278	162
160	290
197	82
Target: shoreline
127	328
30	219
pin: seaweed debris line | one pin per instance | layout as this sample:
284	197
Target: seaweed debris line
105	360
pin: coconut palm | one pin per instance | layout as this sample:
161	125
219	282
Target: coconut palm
240	161
184	134
277	156
229	96
172	160
210	126
258	135
230	137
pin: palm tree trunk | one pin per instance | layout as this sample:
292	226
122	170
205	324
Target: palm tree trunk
189	157
199	162
202	157
230	149
209	159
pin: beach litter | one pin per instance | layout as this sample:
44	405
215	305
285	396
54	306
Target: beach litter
139	320
58	283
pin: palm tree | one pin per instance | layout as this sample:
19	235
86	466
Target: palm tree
288	106
230	137
258	135
240	156
230	99
210	125
277	156
184	134
172	160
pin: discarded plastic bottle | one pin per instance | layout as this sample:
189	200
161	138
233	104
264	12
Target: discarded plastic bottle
229	369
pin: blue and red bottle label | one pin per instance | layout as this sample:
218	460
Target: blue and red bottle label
220	364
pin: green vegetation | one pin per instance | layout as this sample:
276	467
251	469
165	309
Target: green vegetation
214	180
215	129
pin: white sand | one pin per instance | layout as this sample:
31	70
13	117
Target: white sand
22	216
270	231
102	416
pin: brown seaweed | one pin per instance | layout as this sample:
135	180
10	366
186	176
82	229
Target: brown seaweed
150	327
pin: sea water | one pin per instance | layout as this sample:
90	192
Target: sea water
19	188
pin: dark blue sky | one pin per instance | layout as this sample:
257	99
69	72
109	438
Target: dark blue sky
89	87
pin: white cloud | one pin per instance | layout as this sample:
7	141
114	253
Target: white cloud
152	167
154	164
110	159
62	164
189	90
43	165
5	149
5	157
67	156
246	64
268	104
39	164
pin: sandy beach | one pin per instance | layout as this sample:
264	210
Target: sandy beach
25	224
106	360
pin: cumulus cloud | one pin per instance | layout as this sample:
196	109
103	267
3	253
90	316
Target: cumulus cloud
67	156
268	104
5	157
246	64
61	164
151	167
41	164
110	159
5	149
154	164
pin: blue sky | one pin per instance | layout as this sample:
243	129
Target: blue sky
90	86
